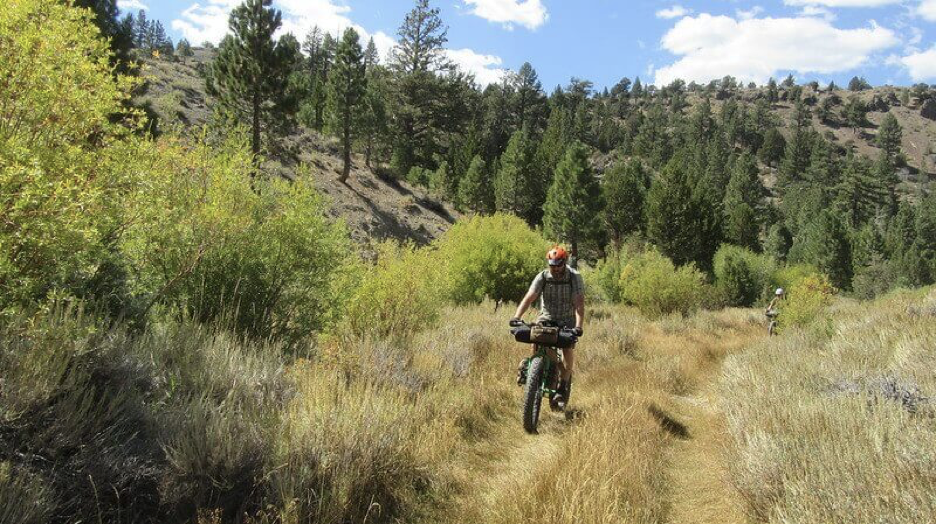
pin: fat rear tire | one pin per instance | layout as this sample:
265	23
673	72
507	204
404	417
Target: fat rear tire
532	394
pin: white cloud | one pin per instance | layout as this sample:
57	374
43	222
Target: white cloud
677	11
814	10
921	65
208	23
927	10
843	3
758	48
483	67
131	5
528	13
750	13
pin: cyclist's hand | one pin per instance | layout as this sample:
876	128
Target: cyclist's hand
578	331
515	322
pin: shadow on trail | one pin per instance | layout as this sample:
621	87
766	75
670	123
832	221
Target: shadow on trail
668	423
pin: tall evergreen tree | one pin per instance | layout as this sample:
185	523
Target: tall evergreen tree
889	136
573	201
371	55
106	19
772	147
798	148
743	202
825	245
855	113
417	57
675	217
515	185
346	86
475	192
529	100
625	188
373	119
250	72
860	195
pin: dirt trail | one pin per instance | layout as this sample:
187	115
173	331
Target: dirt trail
692	487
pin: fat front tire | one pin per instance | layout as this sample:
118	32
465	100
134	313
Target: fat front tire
532	394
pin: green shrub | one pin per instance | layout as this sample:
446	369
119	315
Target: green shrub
58	182
492	257
789	276
742	276
398	295
419	176
806	301
654	285
261	254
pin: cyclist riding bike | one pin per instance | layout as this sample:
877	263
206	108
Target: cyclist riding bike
773	310
562	293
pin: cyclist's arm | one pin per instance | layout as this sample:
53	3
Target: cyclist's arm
579	303
527	301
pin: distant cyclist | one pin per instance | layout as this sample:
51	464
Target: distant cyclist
562	290
773	310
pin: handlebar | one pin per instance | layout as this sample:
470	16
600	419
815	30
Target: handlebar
567	330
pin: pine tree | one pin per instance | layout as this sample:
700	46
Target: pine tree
637	90
250	72
529	100
141	30
854	113
417	57
573	201
106	19
778	242
374	121
625	188
860	195
346	86
476	191
743	202
371	56
799	147
772	148
675	217
889	137
773	94
184	49
515	185
825	245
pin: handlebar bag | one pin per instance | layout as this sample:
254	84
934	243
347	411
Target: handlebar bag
523	335
544	335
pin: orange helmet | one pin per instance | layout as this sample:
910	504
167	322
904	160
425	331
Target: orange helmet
557	256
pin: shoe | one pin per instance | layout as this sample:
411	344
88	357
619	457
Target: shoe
561	398
522	372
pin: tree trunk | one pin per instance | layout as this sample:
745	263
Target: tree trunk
346	146
255	139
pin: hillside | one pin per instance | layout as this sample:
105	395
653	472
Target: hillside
373	207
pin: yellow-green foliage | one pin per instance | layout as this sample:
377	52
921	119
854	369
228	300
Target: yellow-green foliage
210	239
654	285
57	176
492	257
837	426
789	276
806	301
398	295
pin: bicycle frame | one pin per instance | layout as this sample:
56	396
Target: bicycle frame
552	357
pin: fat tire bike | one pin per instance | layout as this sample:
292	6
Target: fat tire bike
542	376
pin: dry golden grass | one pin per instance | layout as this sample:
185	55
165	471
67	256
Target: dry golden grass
834	423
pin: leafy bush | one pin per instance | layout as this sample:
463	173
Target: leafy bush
654	285
398	295
58	185
494	257
261	253
742	276
806	301
789	276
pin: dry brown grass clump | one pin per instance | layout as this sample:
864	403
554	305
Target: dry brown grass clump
836	424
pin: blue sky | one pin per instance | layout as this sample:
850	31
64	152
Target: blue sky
886	41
